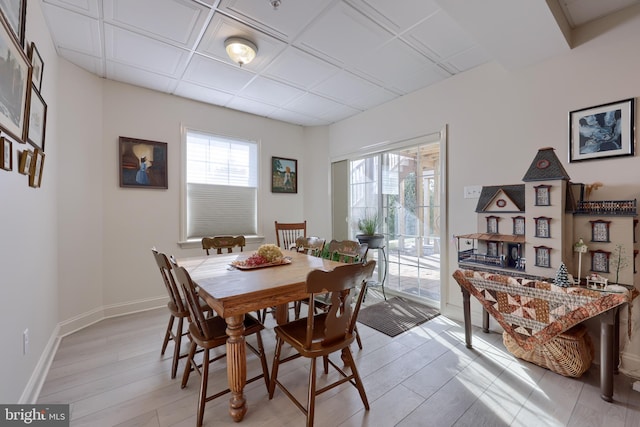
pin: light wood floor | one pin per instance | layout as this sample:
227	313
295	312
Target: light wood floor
112	374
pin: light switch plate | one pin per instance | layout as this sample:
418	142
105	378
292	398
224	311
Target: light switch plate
472	191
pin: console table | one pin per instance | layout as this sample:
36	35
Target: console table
534	312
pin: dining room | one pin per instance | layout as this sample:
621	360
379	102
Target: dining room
80	242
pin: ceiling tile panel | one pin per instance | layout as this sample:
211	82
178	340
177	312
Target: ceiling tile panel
285	23
251	106
222	27
85	7
393	62
339	113
344	86
270	91
352	35
142	52
366	100
74	31
216	75
139	77
441	35
300	68
174	21
88	62
295	117
199	93
397	18
310	104
468	59
419	78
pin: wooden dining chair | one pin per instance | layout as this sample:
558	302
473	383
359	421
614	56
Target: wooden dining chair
346	251
177	310
223	242
311	246
324	334
287	233
208	334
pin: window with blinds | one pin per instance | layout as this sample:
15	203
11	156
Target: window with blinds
222	186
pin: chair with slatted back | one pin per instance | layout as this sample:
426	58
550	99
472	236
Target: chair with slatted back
223	242
326	333
219	243
208	334
347	251
287	233
177	310
313	246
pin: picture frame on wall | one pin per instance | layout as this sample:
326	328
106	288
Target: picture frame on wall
37	64
35	175
15	85
26	157
143	163
6	154
37	119
15	12
284	175
603	131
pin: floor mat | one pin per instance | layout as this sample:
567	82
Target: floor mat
396	315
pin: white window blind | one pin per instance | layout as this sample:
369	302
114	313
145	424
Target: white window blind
222	178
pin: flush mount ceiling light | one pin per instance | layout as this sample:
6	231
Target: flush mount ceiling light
240	50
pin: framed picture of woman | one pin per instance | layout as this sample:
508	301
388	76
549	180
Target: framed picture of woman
143	163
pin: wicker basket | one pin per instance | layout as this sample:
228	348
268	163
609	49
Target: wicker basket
569	354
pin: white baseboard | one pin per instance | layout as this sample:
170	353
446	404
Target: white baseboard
630	364
34	385
76	323
122	309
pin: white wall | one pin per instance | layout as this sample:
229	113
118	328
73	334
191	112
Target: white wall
78	248
498	119
28	253
134	220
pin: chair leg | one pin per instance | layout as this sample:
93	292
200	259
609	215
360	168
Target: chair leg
177	341
202	399
356	376
297	305
358	340
263	361
274	369
187	367
311	400
167	335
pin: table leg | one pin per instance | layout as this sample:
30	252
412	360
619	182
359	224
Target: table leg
236	366
607	323
466	309
616	341
282	314
485	321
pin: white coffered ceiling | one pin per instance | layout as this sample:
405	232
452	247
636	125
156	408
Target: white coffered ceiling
319	61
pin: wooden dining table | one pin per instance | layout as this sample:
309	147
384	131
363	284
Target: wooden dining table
233	292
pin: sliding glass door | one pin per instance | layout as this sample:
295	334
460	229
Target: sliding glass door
403	187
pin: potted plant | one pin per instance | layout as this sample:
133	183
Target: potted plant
368	225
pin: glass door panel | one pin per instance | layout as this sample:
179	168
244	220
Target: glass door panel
403	187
